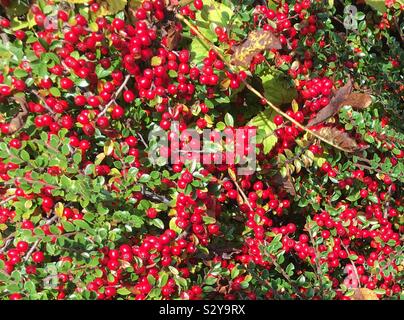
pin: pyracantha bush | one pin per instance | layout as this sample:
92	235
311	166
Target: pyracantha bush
86	214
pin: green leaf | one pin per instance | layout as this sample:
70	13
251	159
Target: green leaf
208	220
68	226
264	121
162	280
101	72
24	155
234	272
89	217
210	280
378	5
123	291
30	287
199	50
81	224
228	120
55	92
354	197
278	88
20	73
158	223
289	269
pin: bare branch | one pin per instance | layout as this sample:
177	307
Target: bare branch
116	95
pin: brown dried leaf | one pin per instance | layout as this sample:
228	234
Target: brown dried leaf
19	119
284	183
341	139
257	41
364	294
173	36
357	100
335	104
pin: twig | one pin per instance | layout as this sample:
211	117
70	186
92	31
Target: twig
245	198
153	196
183	234
369	168
116	95
29	253
36	243
319	273
253	90
7	242
5	38
285	275
387	206
399	30
7	200
44	103
143	140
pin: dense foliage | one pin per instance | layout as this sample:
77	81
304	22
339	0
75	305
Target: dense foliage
86	214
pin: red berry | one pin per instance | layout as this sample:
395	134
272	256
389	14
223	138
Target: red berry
38	257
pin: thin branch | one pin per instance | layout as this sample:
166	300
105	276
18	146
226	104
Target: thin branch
387	205
7	200
7	242
183	234
36	243
29	253
285	275
143	140
116	95
154	196
5	38
245	198
369	168
319	273
44	103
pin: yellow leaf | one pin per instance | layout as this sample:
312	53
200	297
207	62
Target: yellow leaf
110	7
172	212
28	204
232	174
155	61
295	106
209	120
108	147
99	158
224	84
59	209
93	27
115	172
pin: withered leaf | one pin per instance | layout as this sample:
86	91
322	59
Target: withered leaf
335	104
341	139
364	294
289	186
19	119
285	183
257	41
357	100
173	36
